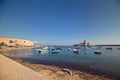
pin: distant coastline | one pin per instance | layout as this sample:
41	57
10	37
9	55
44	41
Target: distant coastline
15	43
108	45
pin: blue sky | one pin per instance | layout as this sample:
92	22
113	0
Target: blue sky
62	21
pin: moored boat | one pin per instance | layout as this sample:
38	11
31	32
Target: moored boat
43	49
119	48
69	49
97	52
109	48
76	51
56	51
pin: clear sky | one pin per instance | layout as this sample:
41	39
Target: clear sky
61	20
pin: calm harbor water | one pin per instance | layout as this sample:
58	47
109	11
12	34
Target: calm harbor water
108	62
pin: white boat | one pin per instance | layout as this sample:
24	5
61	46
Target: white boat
69	49
56	51
43	49
76	51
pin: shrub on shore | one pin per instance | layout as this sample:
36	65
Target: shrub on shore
3	44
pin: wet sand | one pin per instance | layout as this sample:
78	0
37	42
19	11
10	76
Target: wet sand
58	73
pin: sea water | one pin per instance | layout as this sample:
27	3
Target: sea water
108	62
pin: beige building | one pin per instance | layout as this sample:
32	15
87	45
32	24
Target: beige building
17	42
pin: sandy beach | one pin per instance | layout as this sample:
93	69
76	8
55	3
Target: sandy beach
15	69
11	70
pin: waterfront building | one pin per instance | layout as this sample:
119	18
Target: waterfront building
85	43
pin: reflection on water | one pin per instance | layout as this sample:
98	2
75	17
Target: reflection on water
17	53
107	62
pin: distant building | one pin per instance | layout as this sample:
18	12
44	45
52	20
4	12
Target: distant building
85	43
17	42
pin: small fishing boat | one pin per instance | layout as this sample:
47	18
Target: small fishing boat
69	49
97	52
109	48
56	51
76	51
119	48
52	48
43	49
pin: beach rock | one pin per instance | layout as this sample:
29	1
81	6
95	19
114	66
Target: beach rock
67	72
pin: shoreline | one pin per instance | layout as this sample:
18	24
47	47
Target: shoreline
13	48
12	70
9	48
49	69
57	71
